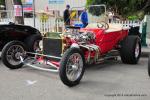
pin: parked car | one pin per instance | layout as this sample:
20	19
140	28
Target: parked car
26	34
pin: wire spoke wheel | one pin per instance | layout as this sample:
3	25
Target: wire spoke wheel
74	67
13	54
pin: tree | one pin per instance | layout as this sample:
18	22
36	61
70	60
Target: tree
19	19
125	8
2	2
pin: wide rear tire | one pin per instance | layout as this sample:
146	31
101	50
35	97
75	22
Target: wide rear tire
11	54
130	50
72	67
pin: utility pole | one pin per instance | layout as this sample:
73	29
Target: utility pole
33	6
9	5
18	12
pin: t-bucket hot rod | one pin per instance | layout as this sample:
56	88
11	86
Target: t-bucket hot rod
69	52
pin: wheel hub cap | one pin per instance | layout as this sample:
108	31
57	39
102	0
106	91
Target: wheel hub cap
74	67
14	53
137	50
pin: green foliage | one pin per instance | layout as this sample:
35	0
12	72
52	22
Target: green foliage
133	17
2	2
125	8
96	10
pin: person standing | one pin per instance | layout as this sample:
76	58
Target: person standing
67	16
84	18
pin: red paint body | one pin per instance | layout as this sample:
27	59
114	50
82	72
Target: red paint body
107	41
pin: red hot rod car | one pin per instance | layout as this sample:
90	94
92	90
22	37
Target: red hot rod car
68	53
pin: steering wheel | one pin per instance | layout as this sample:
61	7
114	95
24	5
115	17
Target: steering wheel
103	24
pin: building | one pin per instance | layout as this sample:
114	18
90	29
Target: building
58	5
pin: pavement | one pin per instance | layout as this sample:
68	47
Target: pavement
145	51
112	80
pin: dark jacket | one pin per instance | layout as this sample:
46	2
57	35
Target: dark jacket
67	17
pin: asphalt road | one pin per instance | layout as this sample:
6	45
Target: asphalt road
110	81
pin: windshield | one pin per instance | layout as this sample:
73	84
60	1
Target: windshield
96	13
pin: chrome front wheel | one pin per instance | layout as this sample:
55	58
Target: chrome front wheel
72	67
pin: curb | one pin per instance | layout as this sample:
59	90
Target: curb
145	54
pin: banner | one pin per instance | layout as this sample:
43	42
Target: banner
17	10
27	5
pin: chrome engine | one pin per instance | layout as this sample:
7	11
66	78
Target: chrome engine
86	40
83	37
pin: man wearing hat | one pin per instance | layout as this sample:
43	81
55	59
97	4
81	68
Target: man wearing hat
67	15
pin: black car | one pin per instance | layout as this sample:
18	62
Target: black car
14	32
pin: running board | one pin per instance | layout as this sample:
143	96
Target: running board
107	58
